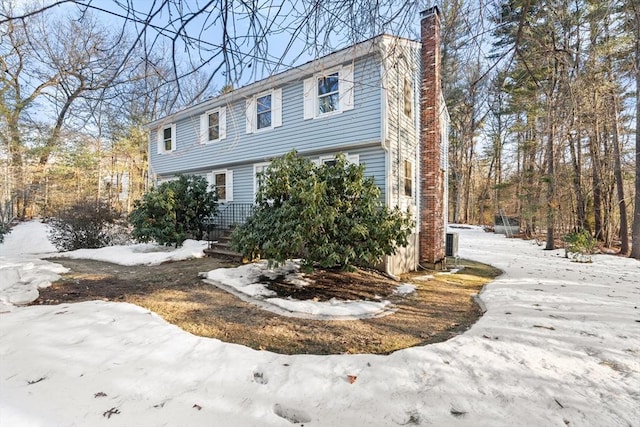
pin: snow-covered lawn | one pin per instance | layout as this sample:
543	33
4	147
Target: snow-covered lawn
559	345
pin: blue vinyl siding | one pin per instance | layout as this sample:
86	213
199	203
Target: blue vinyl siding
360	125
373	158
243	184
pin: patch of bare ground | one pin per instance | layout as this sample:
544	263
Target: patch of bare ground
440	308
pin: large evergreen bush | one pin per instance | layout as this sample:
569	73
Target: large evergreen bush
330	215
174	211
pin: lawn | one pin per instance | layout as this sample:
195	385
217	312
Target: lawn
441	306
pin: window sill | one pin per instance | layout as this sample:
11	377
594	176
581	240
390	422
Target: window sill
327	115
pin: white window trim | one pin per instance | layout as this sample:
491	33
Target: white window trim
351	159
413	179
345	92
252	111
408	91
163	180
211	177
222	125
160	138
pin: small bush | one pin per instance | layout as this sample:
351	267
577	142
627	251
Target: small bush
174	211
331	216
3	230
579	246
84	225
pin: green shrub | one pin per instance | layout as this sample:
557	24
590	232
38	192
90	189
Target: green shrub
3	230
83	225
331	216
174	211
579	246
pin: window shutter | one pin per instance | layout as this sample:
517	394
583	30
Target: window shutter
229	184
353	158
346	88
309	98
251	115
210	181
276	108
159	140
204	128
222	121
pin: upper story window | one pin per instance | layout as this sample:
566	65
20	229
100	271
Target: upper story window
166	136
264	111
329	93
213	125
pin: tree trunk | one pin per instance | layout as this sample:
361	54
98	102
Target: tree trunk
635	232
617	170
575	150
551	186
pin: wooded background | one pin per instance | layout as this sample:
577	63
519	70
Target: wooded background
543	97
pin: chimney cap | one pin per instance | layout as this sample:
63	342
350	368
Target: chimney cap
434	10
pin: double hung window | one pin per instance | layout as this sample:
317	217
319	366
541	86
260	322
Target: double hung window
328	93
166	137
213	125
221	181
264	111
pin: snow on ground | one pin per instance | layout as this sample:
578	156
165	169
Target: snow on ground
558	345
22	272
248	283
139	254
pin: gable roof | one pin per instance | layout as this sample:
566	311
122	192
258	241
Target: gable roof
350	53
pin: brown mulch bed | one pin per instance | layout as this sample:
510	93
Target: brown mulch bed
440	308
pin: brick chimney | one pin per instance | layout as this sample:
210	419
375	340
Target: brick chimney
432	174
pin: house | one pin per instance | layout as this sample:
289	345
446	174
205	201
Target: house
379	102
